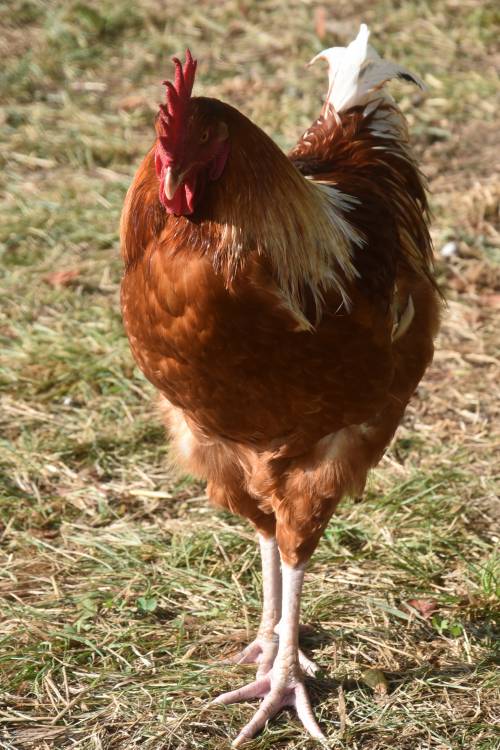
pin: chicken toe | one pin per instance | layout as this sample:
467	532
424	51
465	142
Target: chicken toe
276	694
308	666
261	651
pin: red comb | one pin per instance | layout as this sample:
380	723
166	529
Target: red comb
172	114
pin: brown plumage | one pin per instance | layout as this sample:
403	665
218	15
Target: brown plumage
286	317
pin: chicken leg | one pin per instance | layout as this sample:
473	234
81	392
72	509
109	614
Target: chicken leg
263	649
283	684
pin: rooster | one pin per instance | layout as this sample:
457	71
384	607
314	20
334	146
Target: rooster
285	309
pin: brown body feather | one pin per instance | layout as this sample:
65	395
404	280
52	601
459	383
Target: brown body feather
271	341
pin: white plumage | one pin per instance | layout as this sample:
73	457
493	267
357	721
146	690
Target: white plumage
355	72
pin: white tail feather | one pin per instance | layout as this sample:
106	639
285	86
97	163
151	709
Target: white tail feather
355	72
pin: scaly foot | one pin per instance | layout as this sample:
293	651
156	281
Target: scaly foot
262	651
308	666
278	691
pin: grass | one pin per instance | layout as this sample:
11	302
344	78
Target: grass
120	587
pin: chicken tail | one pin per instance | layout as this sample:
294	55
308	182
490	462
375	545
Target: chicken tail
357	73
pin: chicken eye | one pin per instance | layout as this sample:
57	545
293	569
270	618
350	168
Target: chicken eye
204	136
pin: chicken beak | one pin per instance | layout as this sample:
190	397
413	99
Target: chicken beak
171	183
